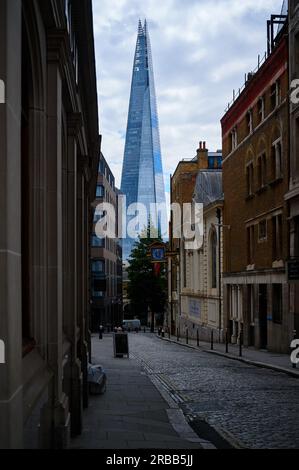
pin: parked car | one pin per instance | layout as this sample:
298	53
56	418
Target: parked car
97	380
131	325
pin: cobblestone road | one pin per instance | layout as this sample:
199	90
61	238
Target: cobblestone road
257	407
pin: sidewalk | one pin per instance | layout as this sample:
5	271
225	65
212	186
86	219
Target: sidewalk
278	362
132	414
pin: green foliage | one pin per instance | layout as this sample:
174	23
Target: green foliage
145	288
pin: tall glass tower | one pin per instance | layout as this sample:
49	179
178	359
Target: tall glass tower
142	177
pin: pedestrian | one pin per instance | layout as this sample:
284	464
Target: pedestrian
101	331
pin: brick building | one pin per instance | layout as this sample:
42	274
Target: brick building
106	259
255	133
292	196
183	283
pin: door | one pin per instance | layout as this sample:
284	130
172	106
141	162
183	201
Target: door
263	315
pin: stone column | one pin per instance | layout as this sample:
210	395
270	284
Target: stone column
72	371
55	417
82	266
11	409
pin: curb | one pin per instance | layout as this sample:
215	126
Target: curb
250	362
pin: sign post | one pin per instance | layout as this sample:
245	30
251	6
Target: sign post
121	345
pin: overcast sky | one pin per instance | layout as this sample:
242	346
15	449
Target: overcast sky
201	52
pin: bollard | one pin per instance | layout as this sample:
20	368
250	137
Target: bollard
169	333
240	343
163	334
212	340
187	336
144	330
197	338
226	342
294	337
178	335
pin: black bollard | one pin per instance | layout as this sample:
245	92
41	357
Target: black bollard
240	344
169	333
197	338
212	340
226	342
187	336
178	335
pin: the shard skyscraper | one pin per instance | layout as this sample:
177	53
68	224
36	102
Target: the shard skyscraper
142	177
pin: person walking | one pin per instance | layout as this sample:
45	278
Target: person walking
101	331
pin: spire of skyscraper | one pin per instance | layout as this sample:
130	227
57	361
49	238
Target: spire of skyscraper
142	177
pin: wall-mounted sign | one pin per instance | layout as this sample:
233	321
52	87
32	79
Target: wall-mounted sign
293	271
158	253
195	308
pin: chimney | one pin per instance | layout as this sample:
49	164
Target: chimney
202	156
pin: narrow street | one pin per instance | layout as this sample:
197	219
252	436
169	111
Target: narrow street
255	408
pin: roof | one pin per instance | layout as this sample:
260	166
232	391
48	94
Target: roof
208	187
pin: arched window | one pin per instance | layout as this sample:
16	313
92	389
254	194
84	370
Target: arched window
213	259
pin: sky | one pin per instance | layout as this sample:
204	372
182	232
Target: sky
201	52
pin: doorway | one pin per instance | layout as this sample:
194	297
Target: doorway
263	315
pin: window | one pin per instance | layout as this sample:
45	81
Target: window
249	178
261	109
100	191
101	167
251	304
250	121
185	266
98	266
262	171
275	94
263	230
276	160
277	303
296	244
250	245
277	237
98	242
213	265
234	139
98	216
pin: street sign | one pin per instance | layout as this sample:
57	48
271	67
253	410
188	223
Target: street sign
293	270
158	253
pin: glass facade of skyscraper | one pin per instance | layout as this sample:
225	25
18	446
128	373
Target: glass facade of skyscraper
142	177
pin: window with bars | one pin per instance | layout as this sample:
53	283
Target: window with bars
250	179
262	171
277	304
277	238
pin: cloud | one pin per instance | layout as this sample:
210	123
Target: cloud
201	52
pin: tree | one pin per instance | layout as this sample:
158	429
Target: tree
146	289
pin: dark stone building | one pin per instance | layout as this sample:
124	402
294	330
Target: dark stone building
49	147
106	258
